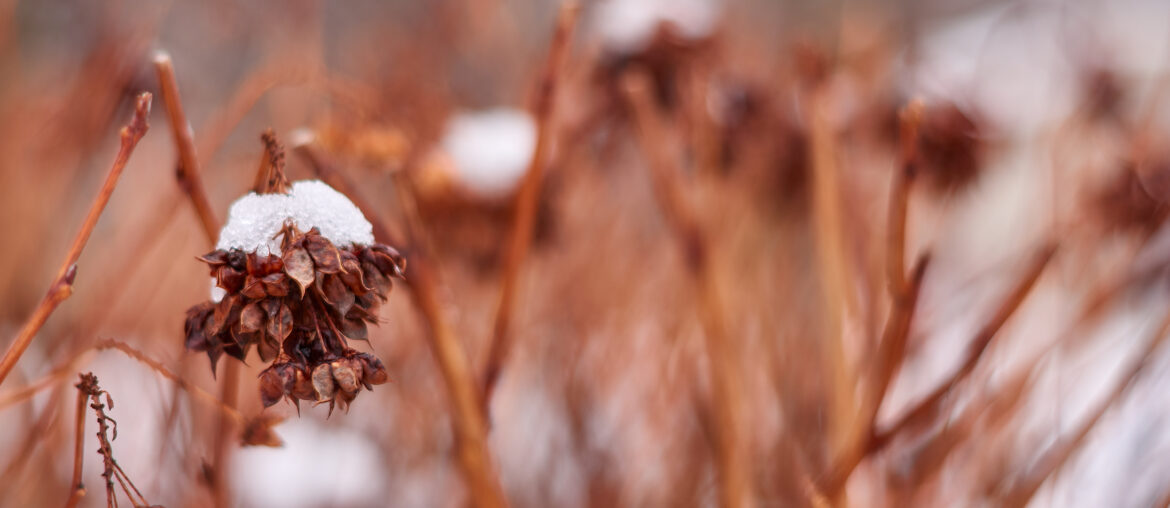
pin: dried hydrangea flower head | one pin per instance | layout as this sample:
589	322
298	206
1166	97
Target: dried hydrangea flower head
298	275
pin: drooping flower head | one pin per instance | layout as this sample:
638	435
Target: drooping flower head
297	274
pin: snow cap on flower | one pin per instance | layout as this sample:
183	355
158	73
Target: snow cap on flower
255	220
490	149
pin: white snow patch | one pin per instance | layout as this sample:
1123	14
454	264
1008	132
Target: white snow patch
317	466
627	25
254	221
491	149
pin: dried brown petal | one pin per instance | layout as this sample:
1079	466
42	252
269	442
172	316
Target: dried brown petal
374	372
281	324
224	312
303	386
254	288
347	374
194	326
354	329
376	279
299	267
276	284
272	386
214	258
267	348
323	382
389	260
230	279
325	255
337	294
351	275
252	317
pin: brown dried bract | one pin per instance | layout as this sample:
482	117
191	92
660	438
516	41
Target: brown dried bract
298	309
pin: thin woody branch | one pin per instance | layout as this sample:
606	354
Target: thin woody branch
188	167
734	471
62	286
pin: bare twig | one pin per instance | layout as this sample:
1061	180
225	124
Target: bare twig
270	175
833	273
188	166
192	184
468	419
155	365
889	359
929	405
735	474
62	286
88	387
77	490
524	220
910	118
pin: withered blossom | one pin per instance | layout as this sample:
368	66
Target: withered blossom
299	307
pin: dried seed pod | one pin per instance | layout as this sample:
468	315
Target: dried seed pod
302	386
373	370
323	382
348	374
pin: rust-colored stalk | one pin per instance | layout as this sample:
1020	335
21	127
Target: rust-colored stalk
470	427
929	405
833	273
734	471
1059	453
909	119
188	168
77	490
524	218
62	286
891	351
191	182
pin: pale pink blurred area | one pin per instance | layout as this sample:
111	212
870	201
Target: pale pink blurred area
1043	129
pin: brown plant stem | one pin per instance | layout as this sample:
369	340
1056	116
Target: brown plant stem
62	286
1058	454
191	182
527	197
188	172
468	419
77	489
929	405
909	119
891	353
734	472
833	273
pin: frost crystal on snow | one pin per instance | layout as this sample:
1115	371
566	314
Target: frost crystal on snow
254	221
490	149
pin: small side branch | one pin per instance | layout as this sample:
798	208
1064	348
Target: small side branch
62	286
929	406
